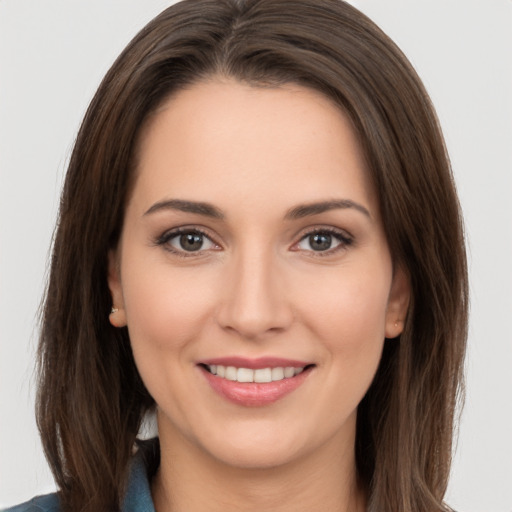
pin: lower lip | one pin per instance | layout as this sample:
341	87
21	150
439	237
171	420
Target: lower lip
254	394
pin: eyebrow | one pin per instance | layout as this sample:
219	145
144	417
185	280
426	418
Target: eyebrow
298	212
306	210
196	207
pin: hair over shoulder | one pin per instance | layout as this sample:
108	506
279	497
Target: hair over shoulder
91	399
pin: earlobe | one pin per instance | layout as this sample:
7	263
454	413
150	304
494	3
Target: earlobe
117	316
398	303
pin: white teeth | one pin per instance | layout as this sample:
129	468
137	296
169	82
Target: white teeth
261	375
231	373
289	371
277	373
245	375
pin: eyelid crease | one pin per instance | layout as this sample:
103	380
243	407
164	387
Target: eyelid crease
345	239
171	233
168	235
311	230
343	236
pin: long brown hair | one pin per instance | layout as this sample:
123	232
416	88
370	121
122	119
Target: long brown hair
91	399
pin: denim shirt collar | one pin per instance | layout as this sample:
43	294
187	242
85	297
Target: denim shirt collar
138	494
137	498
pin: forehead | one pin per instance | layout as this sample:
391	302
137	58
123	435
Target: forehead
290	141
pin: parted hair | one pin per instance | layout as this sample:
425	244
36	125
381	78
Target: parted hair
91	399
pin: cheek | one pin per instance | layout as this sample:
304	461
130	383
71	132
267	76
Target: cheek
352	328
164	307
166	311
348	313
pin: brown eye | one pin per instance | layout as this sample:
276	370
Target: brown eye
320	241
188	241
323	241
191	241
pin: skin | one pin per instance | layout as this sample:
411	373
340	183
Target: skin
255	288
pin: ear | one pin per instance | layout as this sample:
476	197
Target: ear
117	316
398	303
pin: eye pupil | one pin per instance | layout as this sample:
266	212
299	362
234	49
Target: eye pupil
191	241
320	241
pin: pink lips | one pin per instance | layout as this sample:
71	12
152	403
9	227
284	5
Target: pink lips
253	394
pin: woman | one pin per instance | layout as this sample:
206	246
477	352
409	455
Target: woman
254	196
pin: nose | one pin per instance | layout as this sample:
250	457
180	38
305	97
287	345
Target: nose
254	298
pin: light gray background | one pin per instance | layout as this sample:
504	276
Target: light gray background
53	54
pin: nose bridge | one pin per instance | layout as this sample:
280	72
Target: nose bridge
255	301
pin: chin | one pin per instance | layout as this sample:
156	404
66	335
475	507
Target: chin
257	456
258	446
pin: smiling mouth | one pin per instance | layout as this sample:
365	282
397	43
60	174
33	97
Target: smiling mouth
260	375
263	384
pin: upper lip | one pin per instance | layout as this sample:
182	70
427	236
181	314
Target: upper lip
255	364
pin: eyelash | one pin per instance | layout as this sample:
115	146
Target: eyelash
166	237
345	240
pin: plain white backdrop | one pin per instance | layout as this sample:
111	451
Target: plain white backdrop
53	55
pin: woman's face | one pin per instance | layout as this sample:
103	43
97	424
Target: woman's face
252	244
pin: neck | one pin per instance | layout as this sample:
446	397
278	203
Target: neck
189	480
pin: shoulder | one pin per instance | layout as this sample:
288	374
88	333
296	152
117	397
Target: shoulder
46	503
137	498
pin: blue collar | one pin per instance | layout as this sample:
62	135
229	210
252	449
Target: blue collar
142	467
138	491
